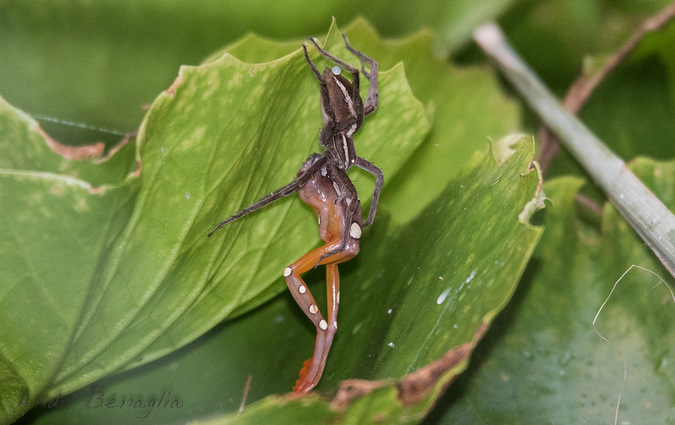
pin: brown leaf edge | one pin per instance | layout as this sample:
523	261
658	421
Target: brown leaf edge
95	151
72	153
415	386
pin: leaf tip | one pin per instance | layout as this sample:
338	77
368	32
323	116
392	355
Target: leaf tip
171	91
538	200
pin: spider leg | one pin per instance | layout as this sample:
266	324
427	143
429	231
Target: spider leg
311	64
326	110
379	180
277	194
282	192
372	98
332	57
351	69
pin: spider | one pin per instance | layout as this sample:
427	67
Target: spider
322	182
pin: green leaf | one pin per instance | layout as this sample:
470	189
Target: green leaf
551	354
56	227
148	279
540	362
245	261
382	335
424	299
223	135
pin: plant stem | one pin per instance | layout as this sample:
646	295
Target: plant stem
641	208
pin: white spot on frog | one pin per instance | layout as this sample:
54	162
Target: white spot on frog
355	231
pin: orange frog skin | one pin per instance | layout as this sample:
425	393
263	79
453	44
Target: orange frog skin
330	193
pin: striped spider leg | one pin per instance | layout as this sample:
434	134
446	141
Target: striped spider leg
332	196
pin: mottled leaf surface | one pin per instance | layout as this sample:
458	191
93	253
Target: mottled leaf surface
138	277
224	134
550	352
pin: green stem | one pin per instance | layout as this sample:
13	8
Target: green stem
640	207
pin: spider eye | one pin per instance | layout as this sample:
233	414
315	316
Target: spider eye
336	70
